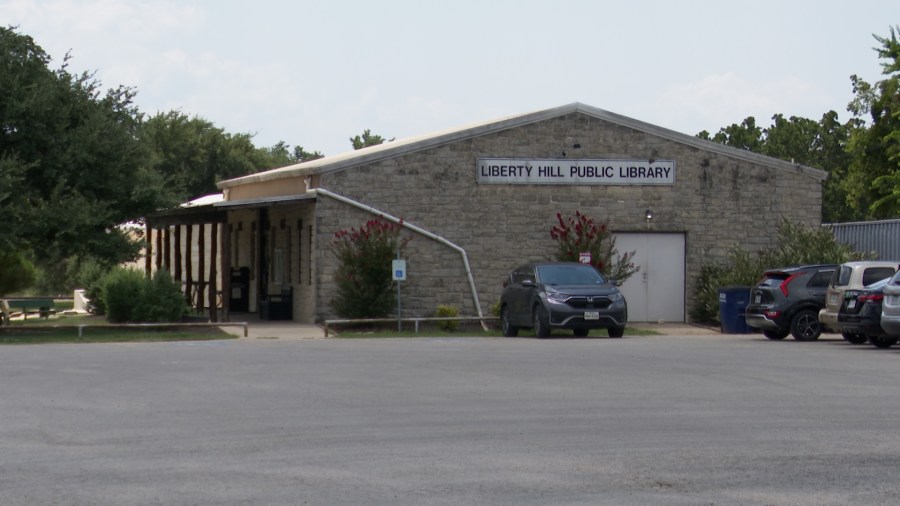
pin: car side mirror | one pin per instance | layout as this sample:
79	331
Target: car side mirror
528	283
614	281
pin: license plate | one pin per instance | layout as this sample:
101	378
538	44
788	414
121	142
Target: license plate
757	299
851	304
833	298
892	300
592	315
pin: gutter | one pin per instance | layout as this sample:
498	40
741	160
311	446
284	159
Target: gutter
418	230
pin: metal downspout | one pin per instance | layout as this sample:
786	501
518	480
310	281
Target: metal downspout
418	230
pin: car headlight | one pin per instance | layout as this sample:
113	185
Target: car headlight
556	297
616	296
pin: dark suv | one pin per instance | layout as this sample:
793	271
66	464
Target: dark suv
566	295
788	301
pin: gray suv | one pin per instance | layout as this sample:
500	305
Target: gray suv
561	295
788	301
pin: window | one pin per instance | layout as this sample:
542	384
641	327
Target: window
874	274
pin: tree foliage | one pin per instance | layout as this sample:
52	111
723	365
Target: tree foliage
71	165
16	273
367	139
192	154
363	276
861	156
795	245
873	178
281	155
579	233
821	144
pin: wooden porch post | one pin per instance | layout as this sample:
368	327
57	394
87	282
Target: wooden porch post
226	270
176	275
213	245
159	243
189	264
201	246
148	250
167	244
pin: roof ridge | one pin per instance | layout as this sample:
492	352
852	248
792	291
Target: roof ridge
413	144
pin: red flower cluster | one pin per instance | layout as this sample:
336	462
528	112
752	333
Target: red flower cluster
579	234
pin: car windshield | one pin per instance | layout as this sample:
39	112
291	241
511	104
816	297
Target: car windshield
569	274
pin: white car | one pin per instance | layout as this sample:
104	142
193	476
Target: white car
890	308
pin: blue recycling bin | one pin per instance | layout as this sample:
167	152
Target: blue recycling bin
733	302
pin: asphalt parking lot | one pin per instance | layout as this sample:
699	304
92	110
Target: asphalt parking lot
692	419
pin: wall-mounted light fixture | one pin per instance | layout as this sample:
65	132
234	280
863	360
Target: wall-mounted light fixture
648	215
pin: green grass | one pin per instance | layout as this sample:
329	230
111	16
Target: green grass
40	331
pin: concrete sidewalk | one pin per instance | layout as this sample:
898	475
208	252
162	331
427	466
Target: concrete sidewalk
288	330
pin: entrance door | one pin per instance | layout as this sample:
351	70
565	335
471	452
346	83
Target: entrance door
656	292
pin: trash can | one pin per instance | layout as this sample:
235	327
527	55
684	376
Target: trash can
733	302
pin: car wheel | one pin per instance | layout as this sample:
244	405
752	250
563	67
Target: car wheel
853	338
509	330
805	326
541	322
776	335
616	331
883	341
580	332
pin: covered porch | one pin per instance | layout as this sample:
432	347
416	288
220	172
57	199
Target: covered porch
246	257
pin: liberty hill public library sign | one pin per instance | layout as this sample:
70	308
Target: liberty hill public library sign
574	172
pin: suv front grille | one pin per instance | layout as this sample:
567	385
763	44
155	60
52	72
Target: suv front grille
597	302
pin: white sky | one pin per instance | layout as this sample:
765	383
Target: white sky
316	73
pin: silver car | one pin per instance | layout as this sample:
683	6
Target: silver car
890	308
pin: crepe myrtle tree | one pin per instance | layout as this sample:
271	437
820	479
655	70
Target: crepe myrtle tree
579	233
364	285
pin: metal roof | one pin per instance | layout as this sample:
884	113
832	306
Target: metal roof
413	144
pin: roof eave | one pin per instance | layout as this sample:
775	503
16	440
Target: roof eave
414	144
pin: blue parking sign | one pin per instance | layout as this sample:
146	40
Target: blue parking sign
398	267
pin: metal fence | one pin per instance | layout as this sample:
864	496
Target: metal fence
882	237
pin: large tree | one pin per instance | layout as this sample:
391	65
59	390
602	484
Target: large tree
873	179
71	165
819	144
281	155
367	139
193	154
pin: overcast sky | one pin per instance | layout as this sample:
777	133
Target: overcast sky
316	73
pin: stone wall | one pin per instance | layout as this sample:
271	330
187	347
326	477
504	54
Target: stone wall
716	201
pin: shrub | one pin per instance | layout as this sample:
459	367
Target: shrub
128	296
163	300
364	285
797	245
579	234
123	295
447	311
16	272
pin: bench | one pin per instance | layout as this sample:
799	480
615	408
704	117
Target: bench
44	307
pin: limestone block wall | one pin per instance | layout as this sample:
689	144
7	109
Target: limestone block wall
716	201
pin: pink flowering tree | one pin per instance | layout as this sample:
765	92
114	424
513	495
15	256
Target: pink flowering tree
364	285
579	234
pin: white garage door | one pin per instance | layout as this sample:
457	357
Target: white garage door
656	292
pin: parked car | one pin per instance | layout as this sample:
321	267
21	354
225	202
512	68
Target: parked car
561	295
851	276
860	315
787	301
890	308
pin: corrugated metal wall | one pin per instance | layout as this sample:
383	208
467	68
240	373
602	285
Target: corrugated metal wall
883	237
